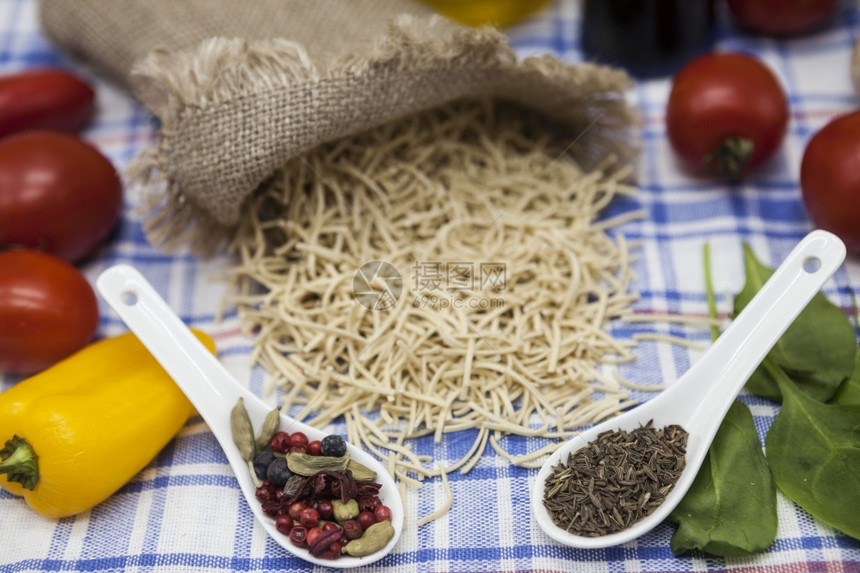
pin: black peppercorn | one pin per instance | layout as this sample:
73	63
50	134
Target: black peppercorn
278	473
262	461
333	445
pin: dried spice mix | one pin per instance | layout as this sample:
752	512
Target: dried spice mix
319	497
615	480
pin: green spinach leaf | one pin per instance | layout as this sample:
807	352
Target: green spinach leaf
849	392
730	510
814	453
816	386
817	350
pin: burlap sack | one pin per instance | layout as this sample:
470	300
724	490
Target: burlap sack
240	87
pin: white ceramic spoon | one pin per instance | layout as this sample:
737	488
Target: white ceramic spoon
214	392
699	400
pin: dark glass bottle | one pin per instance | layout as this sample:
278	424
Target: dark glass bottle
649	38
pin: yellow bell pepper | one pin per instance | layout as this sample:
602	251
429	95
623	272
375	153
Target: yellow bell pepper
78	431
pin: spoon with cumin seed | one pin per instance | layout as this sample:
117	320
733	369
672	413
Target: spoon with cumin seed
671	433
214	392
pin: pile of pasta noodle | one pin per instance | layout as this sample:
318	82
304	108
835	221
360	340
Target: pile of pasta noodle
443	272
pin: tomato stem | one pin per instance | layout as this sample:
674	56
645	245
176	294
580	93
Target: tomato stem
19	462
730	158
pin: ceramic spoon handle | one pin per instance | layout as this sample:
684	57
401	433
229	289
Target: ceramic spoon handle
214	392
745	343
199	374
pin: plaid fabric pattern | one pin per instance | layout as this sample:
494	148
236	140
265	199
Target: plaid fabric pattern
184	511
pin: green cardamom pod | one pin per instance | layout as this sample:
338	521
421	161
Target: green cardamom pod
360	472
374	538
243	432
270	426
308	465
344	511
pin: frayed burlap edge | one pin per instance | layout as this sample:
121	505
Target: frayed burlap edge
197	182
219	71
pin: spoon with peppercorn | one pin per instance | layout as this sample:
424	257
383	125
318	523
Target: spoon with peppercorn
621	478
235	415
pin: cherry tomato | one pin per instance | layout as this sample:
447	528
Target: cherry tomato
830	178
57	193
781	17
44	99
727	114
48	311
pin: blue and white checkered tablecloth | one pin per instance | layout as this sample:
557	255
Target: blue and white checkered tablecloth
184	511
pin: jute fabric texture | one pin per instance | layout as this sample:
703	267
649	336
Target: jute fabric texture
240	87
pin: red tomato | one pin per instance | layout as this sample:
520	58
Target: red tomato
781	17
48	311
57	193
44	99
830	178
727	113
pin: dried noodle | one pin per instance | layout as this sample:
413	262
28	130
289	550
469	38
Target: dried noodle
462	185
